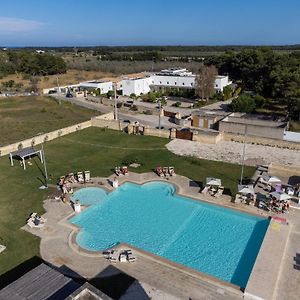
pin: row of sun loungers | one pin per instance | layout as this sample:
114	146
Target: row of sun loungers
115	256
80	177
36	221
121	171
165	171
212	191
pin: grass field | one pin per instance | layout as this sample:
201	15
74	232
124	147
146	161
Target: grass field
25	117
91	149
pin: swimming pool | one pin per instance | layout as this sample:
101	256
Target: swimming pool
220	242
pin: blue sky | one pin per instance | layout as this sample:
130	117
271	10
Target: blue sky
140	22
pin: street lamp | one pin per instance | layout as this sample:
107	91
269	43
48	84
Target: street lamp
115	94
45	186
159	113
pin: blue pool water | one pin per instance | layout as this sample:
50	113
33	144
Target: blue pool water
220	242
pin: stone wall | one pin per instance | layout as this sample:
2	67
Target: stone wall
207	138
36	140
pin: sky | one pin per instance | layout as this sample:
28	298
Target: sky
154	22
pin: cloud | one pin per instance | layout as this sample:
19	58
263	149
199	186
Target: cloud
11	25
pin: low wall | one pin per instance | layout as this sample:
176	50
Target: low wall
157	132
261	141
252	129
36	140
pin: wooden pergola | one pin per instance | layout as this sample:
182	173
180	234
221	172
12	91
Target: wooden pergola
23	154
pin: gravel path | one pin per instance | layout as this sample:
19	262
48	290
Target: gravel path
232	152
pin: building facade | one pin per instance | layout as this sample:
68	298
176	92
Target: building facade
168	78
103	86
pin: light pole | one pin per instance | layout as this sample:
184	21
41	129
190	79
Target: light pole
45	166
115	94
243	156
159	112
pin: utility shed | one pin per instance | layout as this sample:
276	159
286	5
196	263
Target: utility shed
41	283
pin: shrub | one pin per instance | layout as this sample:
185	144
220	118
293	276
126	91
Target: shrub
244	103
148	112
177	104
134	108
260	101
132	96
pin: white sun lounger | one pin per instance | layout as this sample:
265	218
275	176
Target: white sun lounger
31	224
87	176
130	256
172	171
114	257
80	177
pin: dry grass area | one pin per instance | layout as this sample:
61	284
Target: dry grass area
71	77
25	117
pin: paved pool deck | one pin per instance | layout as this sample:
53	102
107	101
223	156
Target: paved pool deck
273	271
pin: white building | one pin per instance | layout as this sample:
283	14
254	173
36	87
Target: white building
103	86
136	86
173	78
221	82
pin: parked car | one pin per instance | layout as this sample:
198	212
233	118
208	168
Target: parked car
69	95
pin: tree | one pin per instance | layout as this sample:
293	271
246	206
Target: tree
244	103
205	81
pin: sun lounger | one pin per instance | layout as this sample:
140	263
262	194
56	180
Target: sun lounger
114	256
123	257
130	256
159	171
172	171
205	190
34	216
118	171
124	170
166	171
80	177
219	192
33	224
87	176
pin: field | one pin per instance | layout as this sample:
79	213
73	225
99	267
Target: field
93	149
25	117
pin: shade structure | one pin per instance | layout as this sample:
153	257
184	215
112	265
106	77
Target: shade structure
280	196
246	189
213	181
270	179
23	154
274	179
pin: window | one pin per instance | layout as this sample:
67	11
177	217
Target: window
192	84
183	83
175	83
167	82
160	82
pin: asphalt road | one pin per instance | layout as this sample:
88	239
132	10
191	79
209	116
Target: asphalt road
149	120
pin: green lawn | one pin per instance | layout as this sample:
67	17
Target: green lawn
93	149
25	117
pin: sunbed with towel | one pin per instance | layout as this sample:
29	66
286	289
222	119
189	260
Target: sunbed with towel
172	171
166	171
124	170
87	176
219	192
80	177
159	171
118	171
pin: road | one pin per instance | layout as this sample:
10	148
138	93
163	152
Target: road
149	120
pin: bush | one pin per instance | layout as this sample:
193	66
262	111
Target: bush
260	101
132	96
177	104
244	103
110	94
119	104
